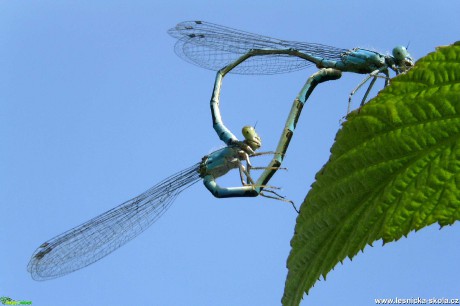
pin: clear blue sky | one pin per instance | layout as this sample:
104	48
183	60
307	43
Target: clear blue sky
95	108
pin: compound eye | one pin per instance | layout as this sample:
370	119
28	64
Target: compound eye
251	137
400	53
249	132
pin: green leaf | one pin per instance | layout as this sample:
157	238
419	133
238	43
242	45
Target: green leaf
394	168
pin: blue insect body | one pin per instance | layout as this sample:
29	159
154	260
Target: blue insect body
215	47
228	50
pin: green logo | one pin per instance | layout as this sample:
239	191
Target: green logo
9	301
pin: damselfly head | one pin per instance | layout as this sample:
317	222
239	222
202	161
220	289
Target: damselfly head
402	58
251	138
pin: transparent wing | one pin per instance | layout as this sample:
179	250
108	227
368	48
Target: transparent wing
212	46
92	240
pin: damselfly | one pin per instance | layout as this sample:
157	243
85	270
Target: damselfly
229	50
98	237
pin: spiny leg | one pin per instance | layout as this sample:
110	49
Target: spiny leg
355	90
387	82
263	153
374	74
246	172
269	189
387	77
366	93
279	198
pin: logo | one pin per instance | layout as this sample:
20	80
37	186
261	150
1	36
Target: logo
9	301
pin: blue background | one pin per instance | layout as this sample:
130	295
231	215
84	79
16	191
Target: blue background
95	108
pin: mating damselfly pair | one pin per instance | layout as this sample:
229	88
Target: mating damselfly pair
225	50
